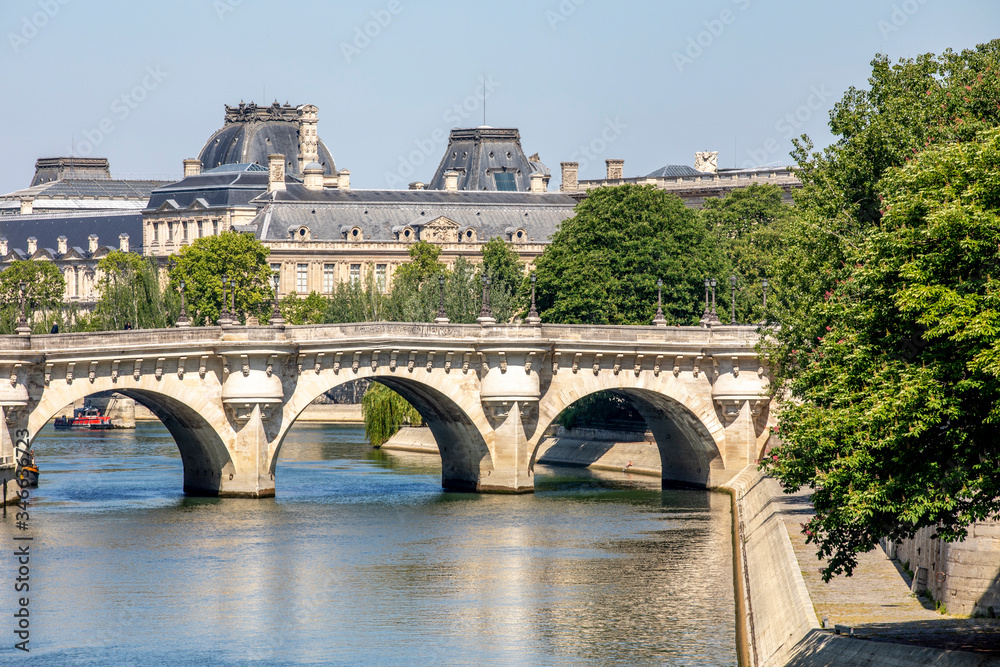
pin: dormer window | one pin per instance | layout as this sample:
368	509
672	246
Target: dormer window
505	181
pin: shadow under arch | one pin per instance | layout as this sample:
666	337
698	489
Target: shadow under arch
203	453
688	450
465	455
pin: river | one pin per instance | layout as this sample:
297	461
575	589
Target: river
362	559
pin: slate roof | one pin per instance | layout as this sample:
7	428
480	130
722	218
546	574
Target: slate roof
252	142
227	186
72	194
675	171
76	227
329	213
480	152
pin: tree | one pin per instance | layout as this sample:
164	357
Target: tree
749	224
44	287
895	408
240	257
384	412
304	310
130	293
415	292
603	263
506	275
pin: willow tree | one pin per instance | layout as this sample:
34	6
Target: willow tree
384	412
130	294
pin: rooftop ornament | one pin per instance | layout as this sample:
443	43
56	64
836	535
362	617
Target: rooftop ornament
659	320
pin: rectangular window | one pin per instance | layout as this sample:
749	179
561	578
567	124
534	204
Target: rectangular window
215	228
505	181
184	227
380	276
328	278
201	229
302	279
355	274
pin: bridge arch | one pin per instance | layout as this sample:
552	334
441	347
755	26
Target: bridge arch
193	423
447	401
685	425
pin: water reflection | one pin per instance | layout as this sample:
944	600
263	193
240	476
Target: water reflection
362	558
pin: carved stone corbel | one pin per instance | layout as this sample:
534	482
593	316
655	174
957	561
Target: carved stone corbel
430	361
114	370
638	365
336	363
597	363
447	361
555	363
48	374
301	363
736	367
92	373
465	362
245	365
271	362
503	362
392	360
356	361
618	364
69	373
180	368
13	374
656	365
203	367
411	362
678	360
318	363
697	365
527	364
159	367
375	356
576	362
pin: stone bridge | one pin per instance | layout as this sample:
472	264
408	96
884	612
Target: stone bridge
229	395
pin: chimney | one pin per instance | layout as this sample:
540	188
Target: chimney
32	245
123	242
27	205
616	168
62	246
313	177
275	172
451	181
308	138
417	185
344	179
569	173
192	167
538	182
3	246
92	243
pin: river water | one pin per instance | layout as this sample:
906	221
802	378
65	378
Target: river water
361	559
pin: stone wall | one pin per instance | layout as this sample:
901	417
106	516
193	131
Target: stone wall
962	576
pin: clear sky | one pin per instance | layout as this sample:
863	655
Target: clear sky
144	83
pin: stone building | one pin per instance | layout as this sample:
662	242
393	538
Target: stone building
692	184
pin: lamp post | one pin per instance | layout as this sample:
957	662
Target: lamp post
732	303
182	320
486	312
763	283
442	317
706	316
276	318
232	290
659	320
225	319
533	319
23	328
714	317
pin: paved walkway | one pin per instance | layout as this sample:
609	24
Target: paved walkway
876	601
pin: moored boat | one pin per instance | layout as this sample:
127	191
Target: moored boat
27	474
86	417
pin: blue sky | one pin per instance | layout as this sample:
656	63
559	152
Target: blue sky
144	83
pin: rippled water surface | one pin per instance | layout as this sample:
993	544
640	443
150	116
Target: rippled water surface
363	559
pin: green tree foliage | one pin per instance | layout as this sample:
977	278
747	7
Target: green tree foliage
304	310
749	224
603	263
506	274
203	263
603	409
130	293
44	288
895	407
384	412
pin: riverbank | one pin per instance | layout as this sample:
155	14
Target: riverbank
777	592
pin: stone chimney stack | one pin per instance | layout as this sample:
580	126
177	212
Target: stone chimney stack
92	243
192	167
569	176
123	242
344	179
32	245
313	177
451	181
3	246
27	206
538	182
616	169
275	172
417	185
62	245
308	137
707	162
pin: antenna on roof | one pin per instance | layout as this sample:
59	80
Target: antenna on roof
484	98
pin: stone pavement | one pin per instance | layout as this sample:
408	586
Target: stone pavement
876	601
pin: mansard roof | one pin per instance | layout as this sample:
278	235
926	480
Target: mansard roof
76	227
479	153
327	213
226	187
